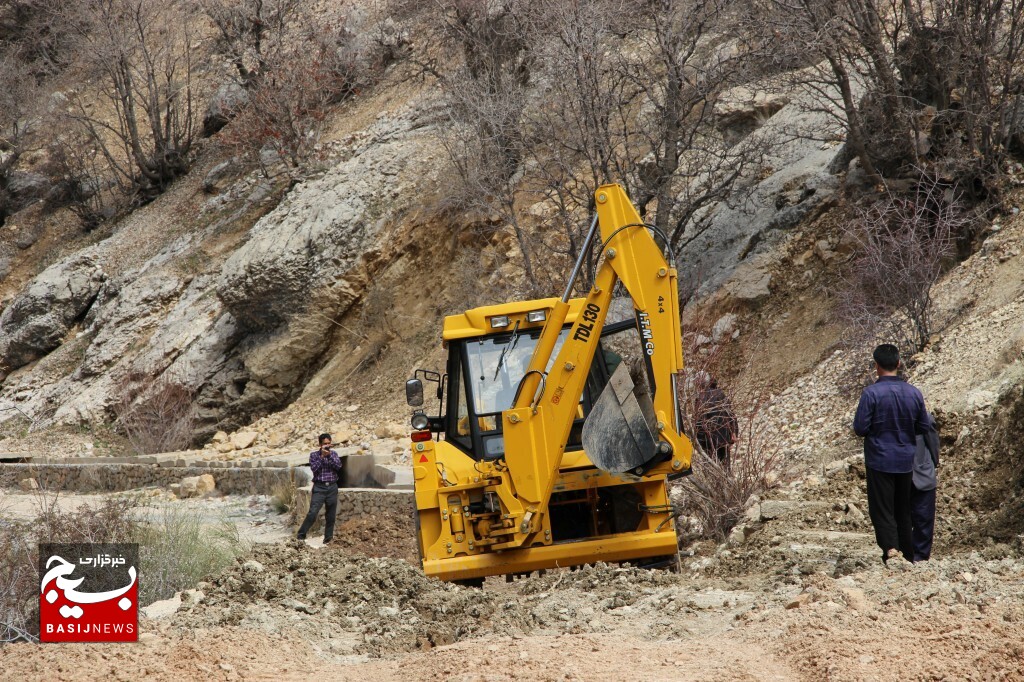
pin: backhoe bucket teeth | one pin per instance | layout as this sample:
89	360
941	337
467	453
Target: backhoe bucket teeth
618	435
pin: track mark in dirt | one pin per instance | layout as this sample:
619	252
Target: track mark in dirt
597	657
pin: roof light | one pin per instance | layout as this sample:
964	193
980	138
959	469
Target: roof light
536	316
499	321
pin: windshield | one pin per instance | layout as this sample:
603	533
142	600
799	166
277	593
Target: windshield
497	365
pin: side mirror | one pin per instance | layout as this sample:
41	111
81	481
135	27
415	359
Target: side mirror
414	392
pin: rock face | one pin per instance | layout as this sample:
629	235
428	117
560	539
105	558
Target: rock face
312	257
224	104
38	319
798	181
241	332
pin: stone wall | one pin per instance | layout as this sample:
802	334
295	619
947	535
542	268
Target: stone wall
92	478
356	502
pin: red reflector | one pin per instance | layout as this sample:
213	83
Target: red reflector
420	436
423	458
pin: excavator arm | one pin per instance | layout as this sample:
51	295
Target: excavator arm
628	433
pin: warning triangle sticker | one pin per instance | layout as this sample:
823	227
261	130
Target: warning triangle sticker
423	458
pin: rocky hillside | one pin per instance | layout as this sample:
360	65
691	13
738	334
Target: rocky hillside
252	294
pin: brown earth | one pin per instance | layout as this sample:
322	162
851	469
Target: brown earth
385	535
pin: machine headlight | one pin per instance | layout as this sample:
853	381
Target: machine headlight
420	421
499	321
536	316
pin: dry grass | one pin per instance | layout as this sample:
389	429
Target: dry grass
282	497
176	552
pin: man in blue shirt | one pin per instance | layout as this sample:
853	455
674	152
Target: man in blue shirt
890	416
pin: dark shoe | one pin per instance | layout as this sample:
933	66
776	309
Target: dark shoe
327	542
300	537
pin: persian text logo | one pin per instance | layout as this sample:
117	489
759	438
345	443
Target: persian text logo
88	593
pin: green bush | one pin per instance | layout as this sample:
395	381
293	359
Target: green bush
178	551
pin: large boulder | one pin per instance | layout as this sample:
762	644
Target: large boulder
797	180
25	188
197	486
38	319
310	259
225	104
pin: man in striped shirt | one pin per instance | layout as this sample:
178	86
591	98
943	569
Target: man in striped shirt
326	467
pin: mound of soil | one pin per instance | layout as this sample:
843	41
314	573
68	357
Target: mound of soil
357	603
386	534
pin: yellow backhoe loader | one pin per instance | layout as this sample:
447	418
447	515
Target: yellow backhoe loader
561	428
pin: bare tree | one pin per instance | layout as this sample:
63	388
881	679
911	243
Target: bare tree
485	97
295	62
901	247
636	108
145	117
19	95
247	30
925	88
28	31
557	98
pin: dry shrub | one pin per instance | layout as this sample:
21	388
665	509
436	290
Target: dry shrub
18	584
155	414
178	551
113	521
715	494
282	497
901	246
175	552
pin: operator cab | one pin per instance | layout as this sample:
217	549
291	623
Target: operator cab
483	374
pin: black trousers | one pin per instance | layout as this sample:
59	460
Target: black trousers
889	509
721	452
922	515
323	493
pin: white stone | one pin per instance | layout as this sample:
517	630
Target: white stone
724	327
243	439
